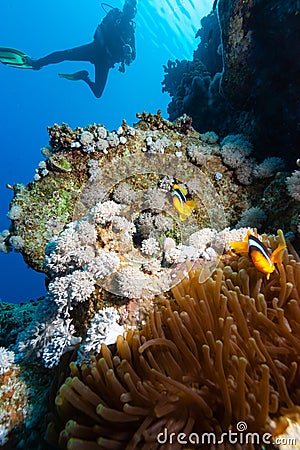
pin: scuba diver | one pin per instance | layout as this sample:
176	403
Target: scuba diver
114	42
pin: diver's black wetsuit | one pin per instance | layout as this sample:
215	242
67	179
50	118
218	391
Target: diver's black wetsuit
113	42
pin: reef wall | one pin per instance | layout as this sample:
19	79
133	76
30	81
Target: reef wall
244	75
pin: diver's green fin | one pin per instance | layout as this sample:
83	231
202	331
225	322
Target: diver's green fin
15	58
81	75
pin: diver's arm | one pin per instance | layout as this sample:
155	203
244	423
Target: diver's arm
132	45
130	42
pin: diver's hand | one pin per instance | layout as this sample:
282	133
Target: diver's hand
127	51
122	67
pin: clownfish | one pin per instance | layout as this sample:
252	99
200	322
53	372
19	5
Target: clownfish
259	254
183	206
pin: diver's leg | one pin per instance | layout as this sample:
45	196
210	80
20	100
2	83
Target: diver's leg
82	53
101	73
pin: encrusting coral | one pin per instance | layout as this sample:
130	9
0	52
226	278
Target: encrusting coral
218	352
14	399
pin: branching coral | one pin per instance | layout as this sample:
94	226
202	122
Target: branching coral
6	360
293	185
48	336
252	217
78	180
269	167
4	236
14	403
235	151
223	351
104	328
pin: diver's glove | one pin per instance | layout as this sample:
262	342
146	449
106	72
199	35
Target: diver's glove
122	67
127	51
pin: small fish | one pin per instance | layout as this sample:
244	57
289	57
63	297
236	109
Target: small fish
259	254
183	206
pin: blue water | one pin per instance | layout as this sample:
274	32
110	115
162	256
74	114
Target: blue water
32	100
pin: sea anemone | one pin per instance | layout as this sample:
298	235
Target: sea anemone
219	352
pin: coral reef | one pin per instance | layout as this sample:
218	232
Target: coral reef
99	220
249	38
253	217
104	329
235	151
218	353
4	243
40	211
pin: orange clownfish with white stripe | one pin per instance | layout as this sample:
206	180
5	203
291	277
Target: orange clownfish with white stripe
183	206
259	254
